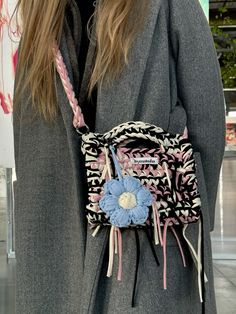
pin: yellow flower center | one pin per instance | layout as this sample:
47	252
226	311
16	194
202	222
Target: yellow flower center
127	200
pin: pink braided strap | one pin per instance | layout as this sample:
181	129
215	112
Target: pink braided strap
78	120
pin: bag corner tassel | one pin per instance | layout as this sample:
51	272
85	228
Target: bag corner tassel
197	259
115	246
168	220
96	231
120	248
156	238
179	245
157	224
111	252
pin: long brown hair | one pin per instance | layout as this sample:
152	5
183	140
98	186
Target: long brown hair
117	22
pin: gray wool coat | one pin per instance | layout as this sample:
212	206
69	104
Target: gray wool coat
172	80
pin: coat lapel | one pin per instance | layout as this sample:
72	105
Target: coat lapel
122	94
93	246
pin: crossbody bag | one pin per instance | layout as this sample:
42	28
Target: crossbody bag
139	177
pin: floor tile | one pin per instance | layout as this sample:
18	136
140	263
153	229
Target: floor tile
233	280
7	299
227	268
225	306
217	273
222	284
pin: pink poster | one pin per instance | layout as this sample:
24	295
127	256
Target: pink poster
9	39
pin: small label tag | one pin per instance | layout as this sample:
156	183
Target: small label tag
144	161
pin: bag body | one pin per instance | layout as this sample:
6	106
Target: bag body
163	163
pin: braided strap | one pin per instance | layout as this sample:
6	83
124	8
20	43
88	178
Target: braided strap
78	120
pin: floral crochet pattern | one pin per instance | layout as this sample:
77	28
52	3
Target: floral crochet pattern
126	201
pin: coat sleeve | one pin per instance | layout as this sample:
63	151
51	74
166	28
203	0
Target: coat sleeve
199	88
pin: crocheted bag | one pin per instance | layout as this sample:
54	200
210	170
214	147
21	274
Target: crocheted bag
139	176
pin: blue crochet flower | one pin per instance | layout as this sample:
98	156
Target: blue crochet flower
126	201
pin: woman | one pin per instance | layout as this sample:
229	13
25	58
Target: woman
152	61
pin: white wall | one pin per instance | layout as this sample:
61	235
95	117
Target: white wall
8	46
